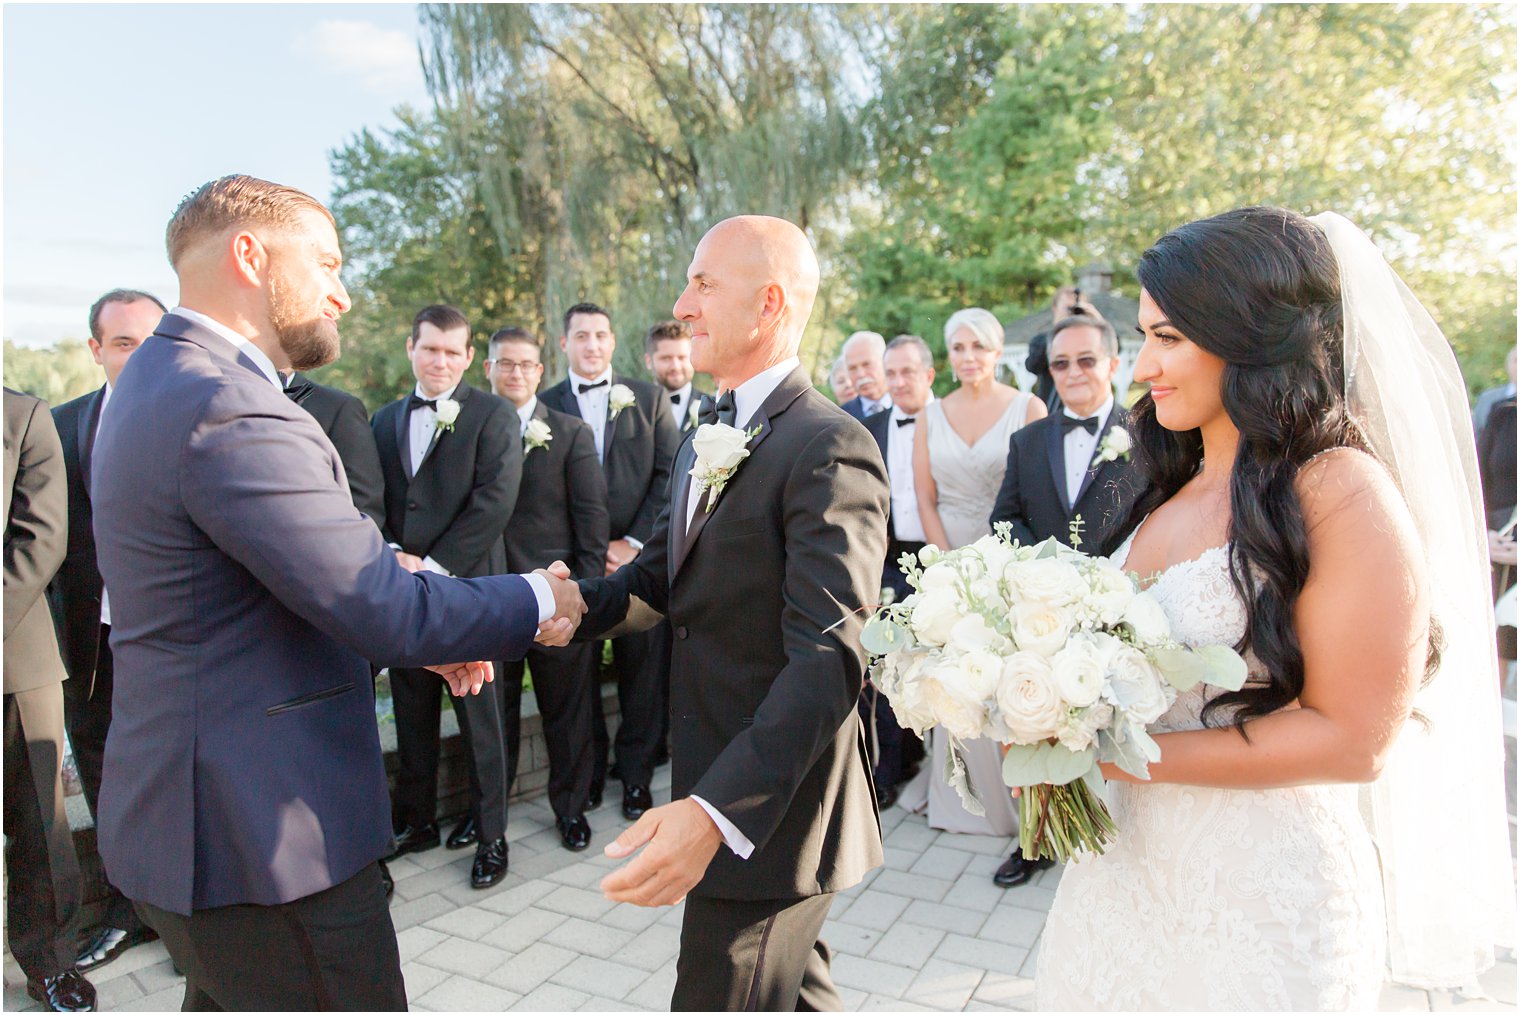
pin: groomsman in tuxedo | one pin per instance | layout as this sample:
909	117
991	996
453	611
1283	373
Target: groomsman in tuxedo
42	871
909	367
346	422
764	582
561	514
244	803
862	355
636	437
1068	466
119	322
667	356
452	461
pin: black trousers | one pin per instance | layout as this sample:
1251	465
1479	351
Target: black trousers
642	664
418	697
332	951
564	680
42	871
754	956
87	714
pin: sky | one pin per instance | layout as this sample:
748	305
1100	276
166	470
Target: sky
114	112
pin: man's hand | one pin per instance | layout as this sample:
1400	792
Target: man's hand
1501	548
409	561
679	841
569	607
465	678
619	552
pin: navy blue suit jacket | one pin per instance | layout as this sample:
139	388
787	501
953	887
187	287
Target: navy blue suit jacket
248	596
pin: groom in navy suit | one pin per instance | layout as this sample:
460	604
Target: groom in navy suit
243	807
1072	467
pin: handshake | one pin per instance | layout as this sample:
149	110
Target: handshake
569	608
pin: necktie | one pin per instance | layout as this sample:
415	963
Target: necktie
1090	424
581	389
417	402
907	421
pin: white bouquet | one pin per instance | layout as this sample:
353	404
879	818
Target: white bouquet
1055	653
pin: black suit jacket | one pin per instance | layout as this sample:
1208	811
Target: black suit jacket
1033	496
36	539
75	591
561	509
346	422
766	664
456	508
637	448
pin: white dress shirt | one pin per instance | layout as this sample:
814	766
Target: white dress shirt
593	406
1079	448
239	342
906	525
525	413
868	406
748	397
680	403
105	600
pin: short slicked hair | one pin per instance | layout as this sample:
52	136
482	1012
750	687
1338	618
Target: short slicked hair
444	318
119	296
236	202
925	354
666	331
502	336
585	308
1110	338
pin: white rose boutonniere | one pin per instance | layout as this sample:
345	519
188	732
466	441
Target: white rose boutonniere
720	448
537	435
448	411
1116	444
618	399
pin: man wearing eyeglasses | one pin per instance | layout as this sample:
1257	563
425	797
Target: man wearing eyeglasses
561	514
1071	467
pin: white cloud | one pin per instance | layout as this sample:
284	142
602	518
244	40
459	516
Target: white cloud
379	57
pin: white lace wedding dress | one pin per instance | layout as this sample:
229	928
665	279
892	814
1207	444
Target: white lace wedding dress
1217	899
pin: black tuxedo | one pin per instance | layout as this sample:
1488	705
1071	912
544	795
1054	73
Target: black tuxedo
637	448
346	422
75	598
1034	500
455	510
763	595
561	514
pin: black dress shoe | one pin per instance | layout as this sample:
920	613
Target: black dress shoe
107	944
490	864
636	800
575	833
413	839
1016	870
885	797
594	796
68	991
464	834
386	880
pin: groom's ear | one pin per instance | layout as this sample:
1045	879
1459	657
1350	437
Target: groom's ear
772	302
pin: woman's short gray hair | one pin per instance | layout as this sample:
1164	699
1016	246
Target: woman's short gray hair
985	328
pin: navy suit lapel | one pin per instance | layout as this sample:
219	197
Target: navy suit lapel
89	423
1055	445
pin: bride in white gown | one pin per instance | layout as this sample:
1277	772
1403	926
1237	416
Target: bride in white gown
1314	503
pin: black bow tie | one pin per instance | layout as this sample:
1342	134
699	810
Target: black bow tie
581	389
675	398
1090	424
721	411
906	421
299	391
418	402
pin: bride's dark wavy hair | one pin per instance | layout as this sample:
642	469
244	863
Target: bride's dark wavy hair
1259	288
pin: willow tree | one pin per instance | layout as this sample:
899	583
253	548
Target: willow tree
604	139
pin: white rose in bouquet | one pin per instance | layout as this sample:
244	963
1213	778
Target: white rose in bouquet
1051	581
1144	617
939	575
907	700
1080	725
1040	628
1030	705
995	553
972	632
1078	669
1136	687
958	706
935	615
985	593
1111	592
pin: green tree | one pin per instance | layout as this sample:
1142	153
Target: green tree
55	373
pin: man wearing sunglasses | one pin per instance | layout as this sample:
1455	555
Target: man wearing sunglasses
1071	467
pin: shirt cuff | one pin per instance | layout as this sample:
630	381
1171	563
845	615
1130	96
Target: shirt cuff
637	544
432	565
735	839
545	596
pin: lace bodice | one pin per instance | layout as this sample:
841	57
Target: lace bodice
1217	899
